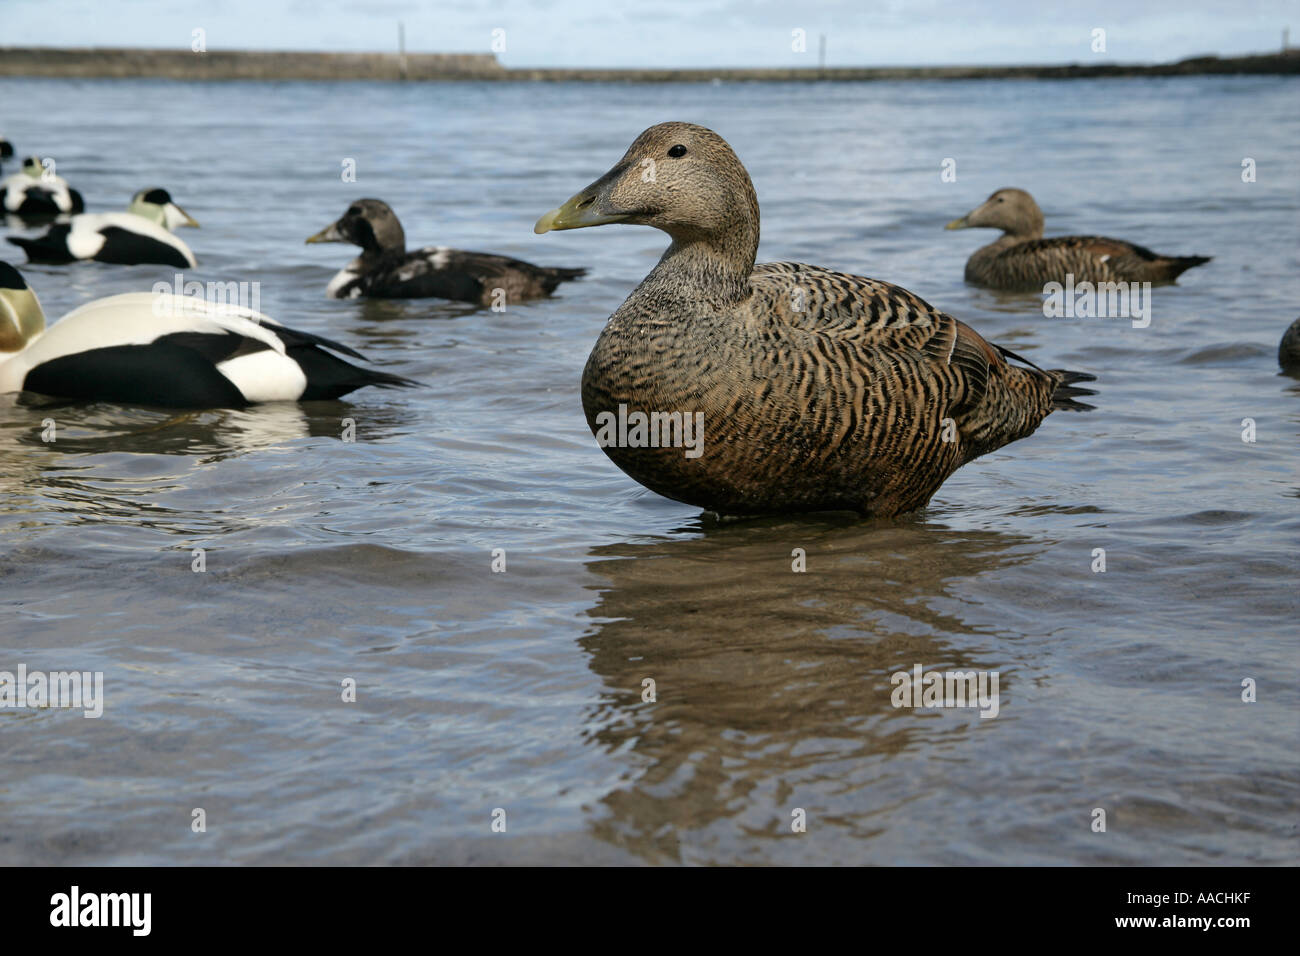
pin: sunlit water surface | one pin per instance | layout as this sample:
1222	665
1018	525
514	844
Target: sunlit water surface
371	560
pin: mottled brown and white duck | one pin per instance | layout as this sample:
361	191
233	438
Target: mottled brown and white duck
385	270
818	390
1022	260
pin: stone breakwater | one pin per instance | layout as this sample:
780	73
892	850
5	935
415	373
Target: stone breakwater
246	64
274	65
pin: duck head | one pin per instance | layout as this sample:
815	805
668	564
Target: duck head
156	205
368	223
678	177
1011	210
21	316
34	167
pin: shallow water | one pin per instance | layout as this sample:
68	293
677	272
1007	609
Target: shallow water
370	560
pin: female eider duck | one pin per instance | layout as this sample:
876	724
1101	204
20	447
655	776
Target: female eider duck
1022	260
386	270
145	348
141	234
36	193
1288	350
781	387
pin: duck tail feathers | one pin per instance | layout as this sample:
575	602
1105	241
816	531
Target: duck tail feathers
388	379
1066	391
1177	265
330	377
47	248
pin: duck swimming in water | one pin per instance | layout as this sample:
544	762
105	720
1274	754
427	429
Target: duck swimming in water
35	193
1022	260
386	270
139	235
805	389
148	348
1288	350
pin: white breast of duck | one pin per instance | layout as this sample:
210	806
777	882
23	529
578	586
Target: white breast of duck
354	279
346	283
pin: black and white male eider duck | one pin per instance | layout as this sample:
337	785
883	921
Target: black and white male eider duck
141	234
145	348
385	270
1022	260
36	193
803	389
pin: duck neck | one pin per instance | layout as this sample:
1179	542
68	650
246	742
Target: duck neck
1028	226
1014	237
710	269
374	254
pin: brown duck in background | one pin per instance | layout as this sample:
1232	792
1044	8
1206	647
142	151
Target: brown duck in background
1288	351
385	270
819	390
1022	260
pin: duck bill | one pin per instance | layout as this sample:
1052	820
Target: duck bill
581	211
176	216
961	223
591	207
329	234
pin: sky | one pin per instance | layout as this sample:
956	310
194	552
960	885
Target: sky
678	33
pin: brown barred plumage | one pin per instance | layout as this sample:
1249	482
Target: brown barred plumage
1021	260
819	390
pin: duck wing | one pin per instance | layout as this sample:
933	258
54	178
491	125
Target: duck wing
873	323
464	276
1092	259
887	354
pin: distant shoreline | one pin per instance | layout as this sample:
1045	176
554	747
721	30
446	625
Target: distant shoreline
106	63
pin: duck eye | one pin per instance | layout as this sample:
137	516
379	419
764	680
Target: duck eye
354	211
677	151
